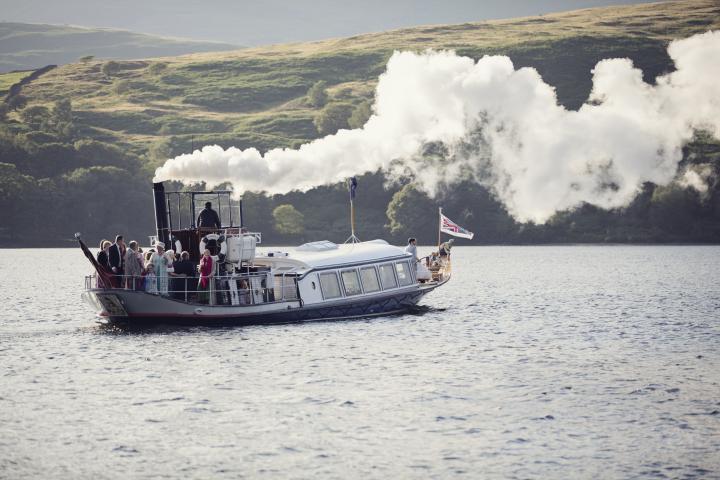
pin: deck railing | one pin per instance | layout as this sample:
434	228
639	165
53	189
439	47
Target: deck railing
220	291
440	268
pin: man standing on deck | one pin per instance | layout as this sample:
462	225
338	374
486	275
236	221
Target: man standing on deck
412	249
116	256
208	218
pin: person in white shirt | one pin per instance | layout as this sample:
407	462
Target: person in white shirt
412	249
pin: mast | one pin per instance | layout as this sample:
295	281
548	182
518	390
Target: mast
352	218
352	184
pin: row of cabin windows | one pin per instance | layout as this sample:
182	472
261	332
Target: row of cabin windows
392	275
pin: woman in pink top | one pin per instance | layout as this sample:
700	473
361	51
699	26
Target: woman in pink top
206	270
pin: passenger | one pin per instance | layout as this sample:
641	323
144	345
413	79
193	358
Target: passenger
133	266
150	278
412	249
141	259
268	293
181	278
116	259
170	256
102	259
208	218
244	292
160	262
102	256
445	249
206	272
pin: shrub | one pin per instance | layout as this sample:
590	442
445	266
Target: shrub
93	153
408	211
110	68
333	118
121	87
317	94
17	102
35	116
157	68
62	110
288	220
360	115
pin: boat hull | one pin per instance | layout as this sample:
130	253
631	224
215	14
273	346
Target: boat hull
141	310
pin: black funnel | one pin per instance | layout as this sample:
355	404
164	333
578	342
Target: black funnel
161	214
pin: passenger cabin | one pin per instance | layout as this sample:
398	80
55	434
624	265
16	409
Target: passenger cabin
325	271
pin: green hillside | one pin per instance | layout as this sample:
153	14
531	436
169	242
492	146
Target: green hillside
7	80
89	125
26	46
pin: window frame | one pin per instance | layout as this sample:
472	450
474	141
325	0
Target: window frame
337	280
357	277
392	269
377	278
409	273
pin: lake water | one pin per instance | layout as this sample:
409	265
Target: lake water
533	362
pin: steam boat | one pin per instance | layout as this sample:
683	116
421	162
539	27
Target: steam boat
315	281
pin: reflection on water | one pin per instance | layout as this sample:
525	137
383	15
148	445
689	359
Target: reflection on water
556	362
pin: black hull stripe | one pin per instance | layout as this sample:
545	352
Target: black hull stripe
386	306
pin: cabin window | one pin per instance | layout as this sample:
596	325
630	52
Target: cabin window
329	285
351	282
369	278
403	274
387	276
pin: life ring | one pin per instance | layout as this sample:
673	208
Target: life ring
215	243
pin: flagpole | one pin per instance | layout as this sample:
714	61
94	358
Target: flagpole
439	225
352	183
352	219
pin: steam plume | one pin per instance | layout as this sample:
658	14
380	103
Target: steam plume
501	127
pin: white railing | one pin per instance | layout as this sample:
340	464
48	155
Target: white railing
227	231
214	295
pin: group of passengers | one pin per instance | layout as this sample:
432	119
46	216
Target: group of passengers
156	271
435	259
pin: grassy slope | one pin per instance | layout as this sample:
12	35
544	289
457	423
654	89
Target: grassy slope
27	46
254	97
8	79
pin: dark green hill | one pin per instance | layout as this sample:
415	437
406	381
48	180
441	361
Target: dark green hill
26	46
92	133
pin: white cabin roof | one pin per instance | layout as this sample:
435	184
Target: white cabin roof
326	254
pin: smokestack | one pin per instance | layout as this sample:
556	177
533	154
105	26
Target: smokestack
161	216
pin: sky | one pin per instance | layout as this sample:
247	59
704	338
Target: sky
252	22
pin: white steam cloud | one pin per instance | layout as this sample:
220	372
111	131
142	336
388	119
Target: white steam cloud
697	177
501	127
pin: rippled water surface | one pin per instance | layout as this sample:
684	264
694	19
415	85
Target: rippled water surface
533	362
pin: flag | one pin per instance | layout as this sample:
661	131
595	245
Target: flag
104	278
353	186
452	228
